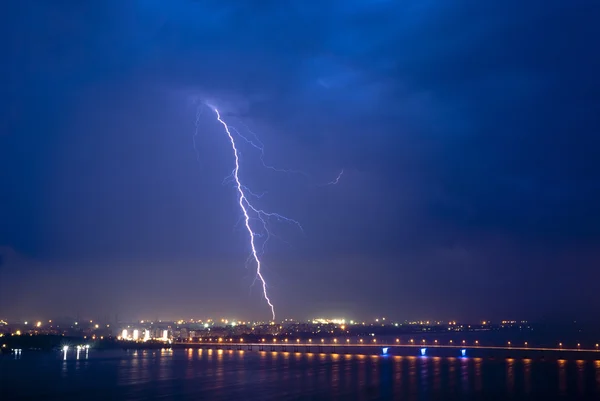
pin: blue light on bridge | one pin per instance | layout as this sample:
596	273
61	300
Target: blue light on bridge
463	352
384	350
423	351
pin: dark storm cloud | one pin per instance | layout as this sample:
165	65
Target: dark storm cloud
466	127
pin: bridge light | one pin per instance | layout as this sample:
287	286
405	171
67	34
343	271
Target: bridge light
384	350
477	342
463	352
423	351
397	340
298	341
348	341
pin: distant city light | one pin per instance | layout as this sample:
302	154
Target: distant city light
329	321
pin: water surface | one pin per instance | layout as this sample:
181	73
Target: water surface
242	375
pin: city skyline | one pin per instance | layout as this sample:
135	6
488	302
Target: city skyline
468	151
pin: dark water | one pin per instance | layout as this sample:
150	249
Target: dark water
238	375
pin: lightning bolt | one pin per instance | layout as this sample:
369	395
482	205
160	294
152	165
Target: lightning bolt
337	179
249	211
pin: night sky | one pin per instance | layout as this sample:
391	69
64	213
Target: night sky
467	132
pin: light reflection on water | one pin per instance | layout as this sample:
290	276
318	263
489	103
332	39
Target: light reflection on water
464	374
510	375
229	374
477	372
580	376
562	376
451	362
